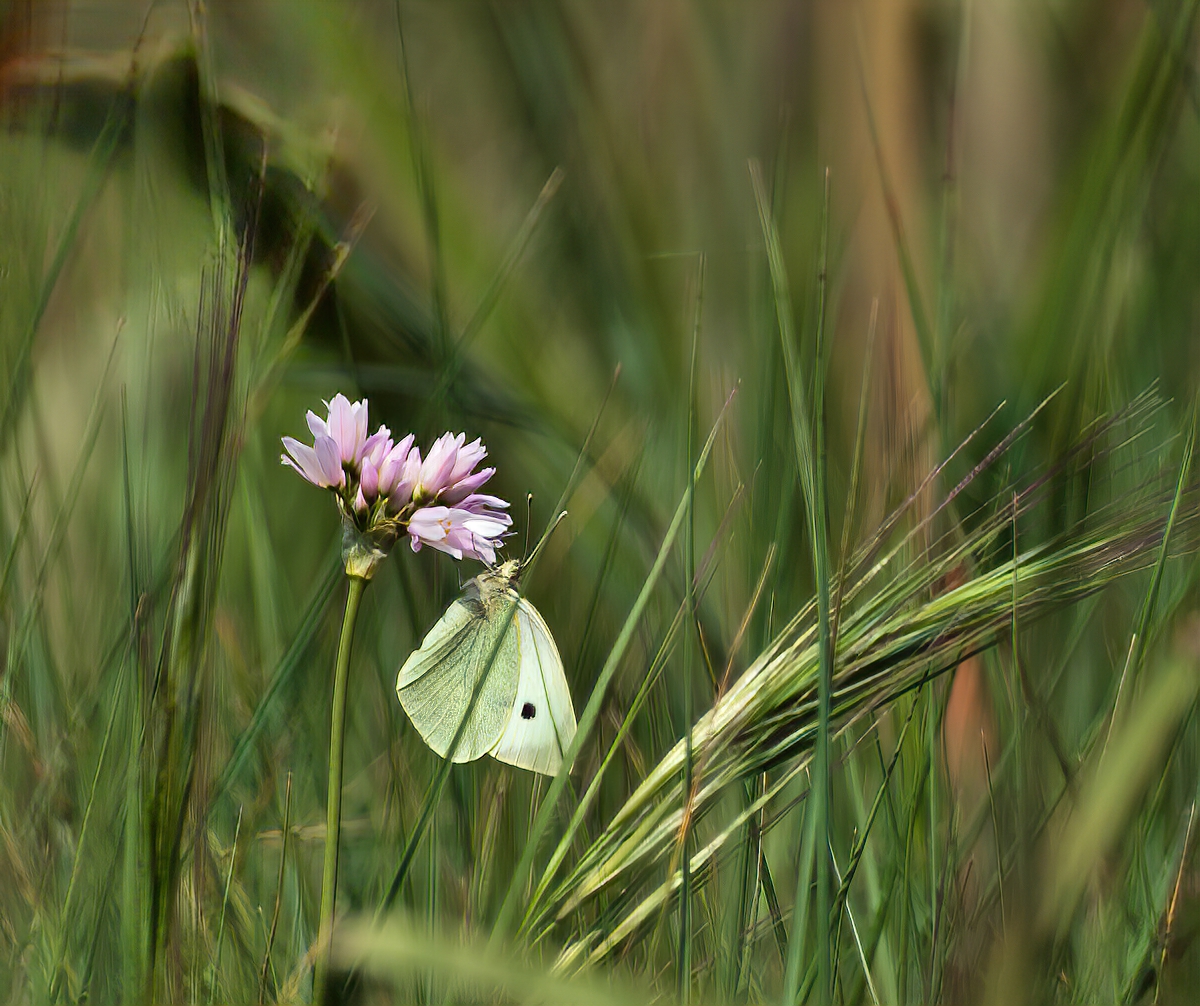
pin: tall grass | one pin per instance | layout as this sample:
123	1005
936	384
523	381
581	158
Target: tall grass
876	590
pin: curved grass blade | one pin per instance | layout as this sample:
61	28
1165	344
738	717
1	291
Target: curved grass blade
284	674
1137	645
587	719
103	151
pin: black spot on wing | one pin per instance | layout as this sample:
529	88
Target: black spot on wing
528	711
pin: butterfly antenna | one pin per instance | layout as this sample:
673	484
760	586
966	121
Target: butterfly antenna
544	538
528	525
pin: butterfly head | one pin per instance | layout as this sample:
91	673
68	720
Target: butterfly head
509	570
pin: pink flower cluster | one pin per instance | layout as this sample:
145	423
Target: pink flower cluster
386	488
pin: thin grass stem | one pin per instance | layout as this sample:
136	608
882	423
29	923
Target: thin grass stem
808	433
684	956
216	959
333	802
68	913
1137	643
287	827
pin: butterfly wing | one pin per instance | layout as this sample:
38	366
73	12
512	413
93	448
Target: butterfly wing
542	721
437	680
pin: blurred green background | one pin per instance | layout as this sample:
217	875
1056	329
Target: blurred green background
536	223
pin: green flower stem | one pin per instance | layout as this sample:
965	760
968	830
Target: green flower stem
333	802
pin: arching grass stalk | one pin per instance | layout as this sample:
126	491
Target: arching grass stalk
895	635
333	801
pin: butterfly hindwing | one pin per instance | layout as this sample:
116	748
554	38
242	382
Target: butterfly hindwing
437	680
541	724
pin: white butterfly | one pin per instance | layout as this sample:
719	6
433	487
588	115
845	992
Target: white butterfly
523	715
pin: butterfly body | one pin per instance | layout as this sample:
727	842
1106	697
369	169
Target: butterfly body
523	714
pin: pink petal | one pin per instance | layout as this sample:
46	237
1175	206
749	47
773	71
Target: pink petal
306	461
377	445
479	501
468	457
473	545
295	467
428	526
444	546
410	473
330	462
463	488
439	463
360	421
485	527
368	479
391	469
429	523
316	425
343	427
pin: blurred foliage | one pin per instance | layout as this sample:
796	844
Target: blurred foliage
491	217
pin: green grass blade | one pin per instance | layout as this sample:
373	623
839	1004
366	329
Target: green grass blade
68	909
802	910
215	974
290	664
809	440
695	640
1137	645
591	711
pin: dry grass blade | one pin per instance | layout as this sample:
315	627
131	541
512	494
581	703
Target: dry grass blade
1121	775
399	951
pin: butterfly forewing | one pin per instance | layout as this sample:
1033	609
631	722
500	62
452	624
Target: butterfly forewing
436	682
542	722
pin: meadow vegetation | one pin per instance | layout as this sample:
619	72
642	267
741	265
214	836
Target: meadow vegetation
859	343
